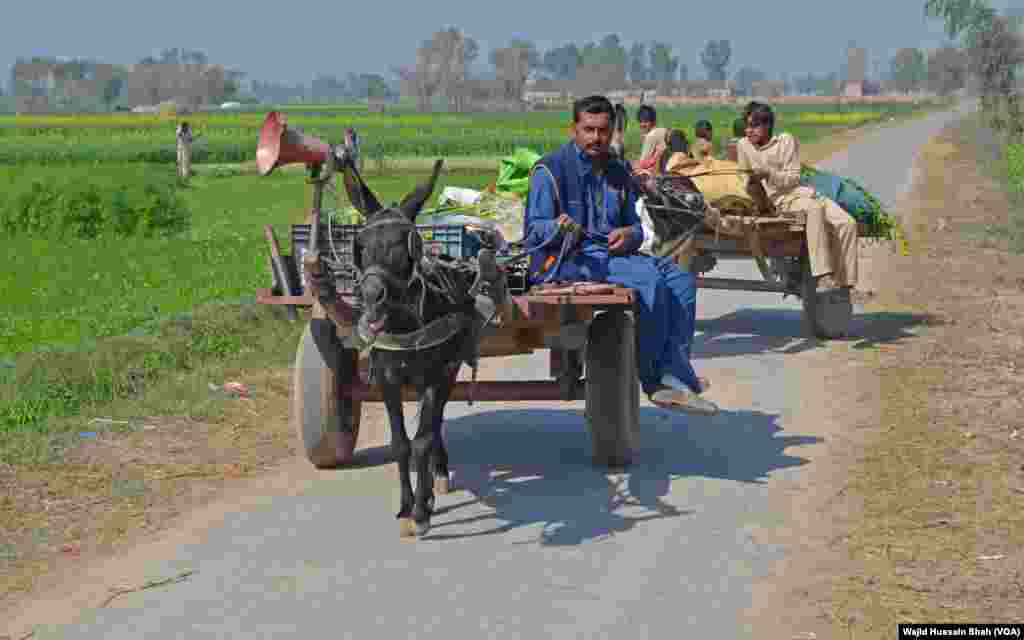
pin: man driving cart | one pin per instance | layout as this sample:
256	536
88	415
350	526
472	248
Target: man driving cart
580	191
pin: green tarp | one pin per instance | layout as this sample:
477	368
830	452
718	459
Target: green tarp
514	172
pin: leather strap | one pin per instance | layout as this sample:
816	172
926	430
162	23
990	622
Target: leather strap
434	333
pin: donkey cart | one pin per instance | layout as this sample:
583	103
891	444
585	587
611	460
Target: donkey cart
587	326
778	247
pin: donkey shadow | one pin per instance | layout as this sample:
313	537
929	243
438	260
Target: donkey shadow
534	467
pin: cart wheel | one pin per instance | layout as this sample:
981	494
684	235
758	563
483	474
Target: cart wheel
327	426
612	393
828	315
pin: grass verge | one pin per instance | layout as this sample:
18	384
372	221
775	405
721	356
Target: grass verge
934	531
70	291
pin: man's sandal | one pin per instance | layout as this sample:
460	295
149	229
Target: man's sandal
682	400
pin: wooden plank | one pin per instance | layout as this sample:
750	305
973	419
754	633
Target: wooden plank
737	284
793	221
266	296
773	247
624	297
483	391
507	341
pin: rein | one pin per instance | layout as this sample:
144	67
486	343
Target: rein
568	237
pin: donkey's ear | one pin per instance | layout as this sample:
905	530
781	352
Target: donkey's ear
413	202
358	193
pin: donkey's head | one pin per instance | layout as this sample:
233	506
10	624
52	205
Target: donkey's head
390	250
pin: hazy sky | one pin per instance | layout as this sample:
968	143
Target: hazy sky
294	41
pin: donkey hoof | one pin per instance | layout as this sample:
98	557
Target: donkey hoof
422	527
407	528
442	485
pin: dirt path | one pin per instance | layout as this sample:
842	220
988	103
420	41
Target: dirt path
78	581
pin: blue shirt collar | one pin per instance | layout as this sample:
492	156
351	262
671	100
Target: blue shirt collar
586	165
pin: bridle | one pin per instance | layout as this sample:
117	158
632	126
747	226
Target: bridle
391	283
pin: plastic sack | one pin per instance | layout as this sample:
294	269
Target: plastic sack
647	247
843	191
860	203
514	172
458	195
720	181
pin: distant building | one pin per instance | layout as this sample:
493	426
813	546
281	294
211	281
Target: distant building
706	89
768	89
37	84
853	89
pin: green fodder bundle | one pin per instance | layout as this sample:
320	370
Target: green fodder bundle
860	203
79	202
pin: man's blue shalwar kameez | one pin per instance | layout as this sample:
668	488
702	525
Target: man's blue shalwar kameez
667	302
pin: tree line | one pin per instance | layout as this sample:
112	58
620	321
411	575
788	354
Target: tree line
89	85
993	54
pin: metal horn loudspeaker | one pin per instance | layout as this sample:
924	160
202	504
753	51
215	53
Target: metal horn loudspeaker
280	145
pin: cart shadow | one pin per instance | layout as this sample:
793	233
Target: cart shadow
758	331
533	467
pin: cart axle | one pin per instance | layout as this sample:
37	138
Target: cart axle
486	391
736	284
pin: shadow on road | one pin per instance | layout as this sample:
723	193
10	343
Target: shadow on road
871	329
752	331
534	467
756	331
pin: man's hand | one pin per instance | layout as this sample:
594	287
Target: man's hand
618	238
760	174
565	221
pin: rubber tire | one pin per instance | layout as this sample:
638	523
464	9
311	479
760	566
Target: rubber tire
612	388
326	426
827	315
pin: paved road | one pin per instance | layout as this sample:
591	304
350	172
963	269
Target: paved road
540	544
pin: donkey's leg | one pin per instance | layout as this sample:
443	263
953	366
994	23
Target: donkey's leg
424	447
401	449
439	461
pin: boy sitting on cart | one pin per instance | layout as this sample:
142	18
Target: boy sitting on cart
581	186
831	232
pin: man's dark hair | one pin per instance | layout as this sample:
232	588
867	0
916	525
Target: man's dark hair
702	126
646	113
760	113
739	127
593	105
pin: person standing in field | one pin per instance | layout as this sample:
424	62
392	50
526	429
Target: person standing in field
580	186
702	145
774	158
184	138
